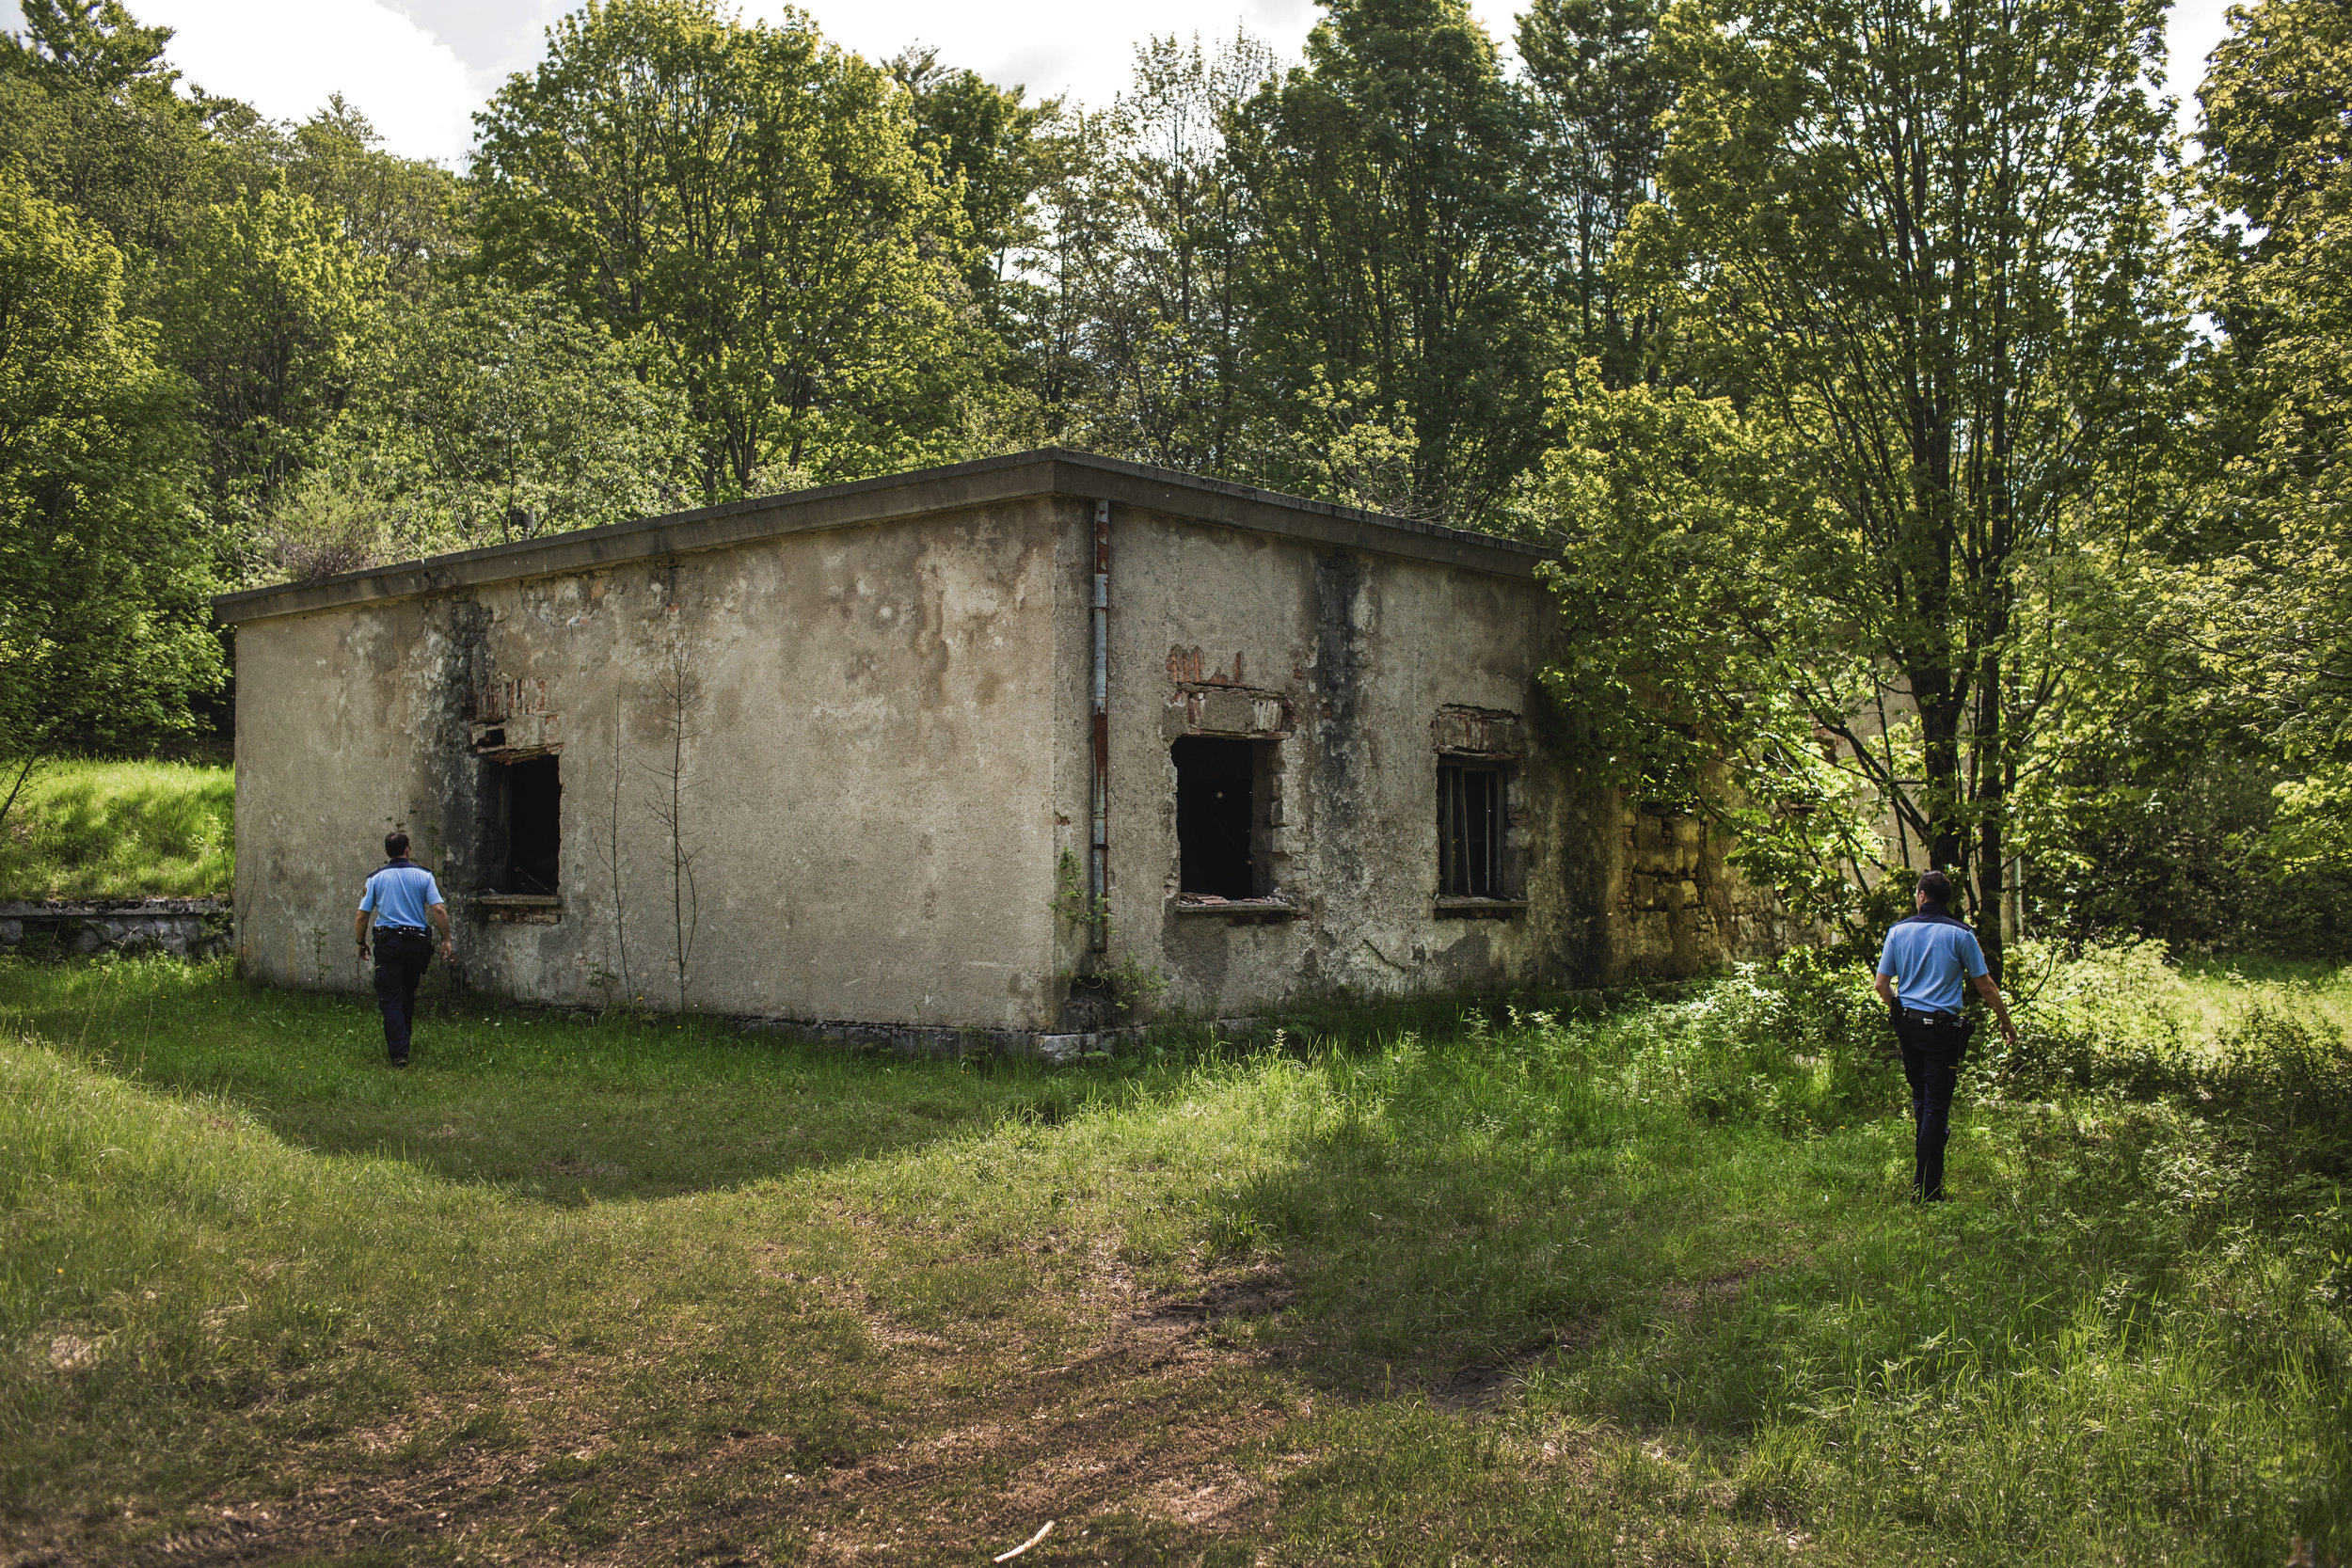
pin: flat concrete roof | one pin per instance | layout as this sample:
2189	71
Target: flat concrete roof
1050	471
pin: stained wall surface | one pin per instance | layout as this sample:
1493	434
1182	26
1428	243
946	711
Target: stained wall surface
1355	672
853	720
829	759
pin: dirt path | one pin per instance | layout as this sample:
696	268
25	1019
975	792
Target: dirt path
1130	1446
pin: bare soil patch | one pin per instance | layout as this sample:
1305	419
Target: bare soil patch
1130	1444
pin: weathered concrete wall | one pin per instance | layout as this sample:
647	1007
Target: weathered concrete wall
870	706
863	789
1347	663
1674	906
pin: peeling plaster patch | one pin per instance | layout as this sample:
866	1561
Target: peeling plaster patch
1190	666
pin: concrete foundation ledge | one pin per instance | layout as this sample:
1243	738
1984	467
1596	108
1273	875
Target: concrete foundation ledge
184	928
940	1041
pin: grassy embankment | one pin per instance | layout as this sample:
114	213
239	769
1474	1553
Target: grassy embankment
119	829
1624	1283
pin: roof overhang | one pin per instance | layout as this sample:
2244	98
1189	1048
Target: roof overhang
1050	471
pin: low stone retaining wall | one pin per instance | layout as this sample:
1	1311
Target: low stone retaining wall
188	927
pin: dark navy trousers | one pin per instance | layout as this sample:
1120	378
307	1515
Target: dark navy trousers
1932	1054
400	961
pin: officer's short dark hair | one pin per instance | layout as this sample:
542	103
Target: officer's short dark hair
396	846
1937	886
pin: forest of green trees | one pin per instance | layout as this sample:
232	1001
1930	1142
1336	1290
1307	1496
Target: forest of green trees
1922	426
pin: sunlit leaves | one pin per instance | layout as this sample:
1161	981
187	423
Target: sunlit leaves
104	626
1921	251
755	199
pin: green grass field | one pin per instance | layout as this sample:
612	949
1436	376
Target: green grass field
1615	1280
120	830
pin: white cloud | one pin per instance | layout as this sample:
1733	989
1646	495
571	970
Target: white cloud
1083	48
285	56
2191	31
400	61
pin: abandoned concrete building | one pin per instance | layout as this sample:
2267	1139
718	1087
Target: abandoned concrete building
1021	746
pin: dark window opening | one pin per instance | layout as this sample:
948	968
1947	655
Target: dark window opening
1216	810
1469	832
534	817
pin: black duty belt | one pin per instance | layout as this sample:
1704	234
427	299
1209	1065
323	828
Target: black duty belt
400	931
1916	1016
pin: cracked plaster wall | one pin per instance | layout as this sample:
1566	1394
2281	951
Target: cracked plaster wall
888	760
864	714
1343	660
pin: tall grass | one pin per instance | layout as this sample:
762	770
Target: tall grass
120	830
1597	1281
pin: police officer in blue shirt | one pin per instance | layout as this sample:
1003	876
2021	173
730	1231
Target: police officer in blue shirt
401	899
1931	956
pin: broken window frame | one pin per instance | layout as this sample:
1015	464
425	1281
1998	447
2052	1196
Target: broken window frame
508	881
1203	762
1262	900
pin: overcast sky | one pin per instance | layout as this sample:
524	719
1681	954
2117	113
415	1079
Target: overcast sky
420	68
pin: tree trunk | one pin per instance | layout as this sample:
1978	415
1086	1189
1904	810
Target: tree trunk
1992	796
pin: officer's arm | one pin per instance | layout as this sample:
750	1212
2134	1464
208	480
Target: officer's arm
1992	994
1886	987
359	932
438	914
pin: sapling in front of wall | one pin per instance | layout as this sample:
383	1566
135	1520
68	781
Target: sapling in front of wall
611	852
679	693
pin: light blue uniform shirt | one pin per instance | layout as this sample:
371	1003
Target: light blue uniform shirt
400	894
1932	957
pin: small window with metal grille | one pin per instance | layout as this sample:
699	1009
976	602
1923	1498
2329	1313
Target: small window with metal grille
1470	821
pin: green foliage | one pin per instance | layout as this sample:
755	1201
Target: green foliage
755	201
1602	92
2151	828
87	45
2197	795
341	516
514	417
120	830
1399	244
2246	1121
1694	677
2266	612
402	212
1936	390
135	161
270	310
1130	322
1075	906
1598	1276
1131	985
104	626
990	145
